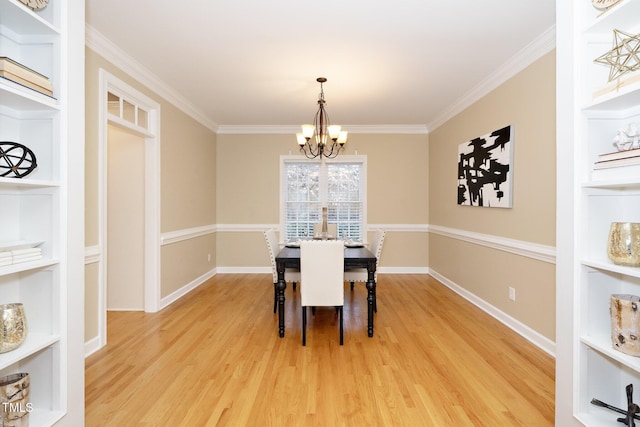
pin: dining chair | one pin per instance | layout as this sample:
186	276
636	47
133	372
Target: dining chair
291	275
322	274
332	230
361	274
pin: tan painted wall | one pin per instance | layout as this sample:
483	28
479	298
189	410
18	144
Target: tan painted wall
526	101
248	193
125	223
91	301
234	179
188	190
181	261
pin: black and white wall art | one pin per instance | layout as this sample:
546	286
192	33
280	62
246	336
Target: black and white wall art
485	170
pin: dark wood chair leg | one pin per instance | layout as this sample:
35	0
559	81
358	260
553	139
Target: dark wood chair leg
340	314
275	297
351	285
294	286
304	325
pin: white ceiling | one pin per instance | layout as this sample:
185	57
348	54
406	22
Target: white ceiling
253	62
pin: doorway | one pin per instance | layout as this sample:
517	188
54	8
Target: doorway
129	213
125	220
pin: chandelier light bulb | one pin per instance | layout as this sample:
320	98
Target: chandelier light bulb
334	131
342	138
308	130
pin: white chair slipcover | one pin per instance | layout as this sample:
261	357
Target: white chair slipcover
322	278
291	275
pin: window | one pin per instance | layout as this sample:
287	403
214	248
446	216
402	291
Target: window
126	111
307	185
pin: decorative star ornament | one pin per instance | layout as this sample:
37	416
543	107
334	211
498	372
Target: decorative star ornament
624	57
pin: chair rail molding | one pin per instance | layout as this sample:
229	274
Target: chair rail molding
92	254
518	247
186	234
414	228
245	227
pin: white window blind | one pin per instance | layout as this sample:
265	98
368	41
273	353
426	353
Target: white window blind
307	186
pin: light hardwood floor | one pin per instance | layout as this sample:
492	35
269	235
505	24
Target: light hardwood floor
214	358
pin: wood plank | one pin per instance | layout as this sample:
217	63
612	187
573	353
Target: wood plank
214	358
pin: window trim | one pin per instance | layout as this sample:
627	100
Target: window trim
360	158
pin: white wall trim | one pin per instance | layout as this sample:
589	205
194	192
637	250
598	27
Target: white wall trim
518	247
403	270
244	270
245	227
176	295
104	47
534	337
530	53
112	53
92	346
413	228
186	234
109	83
400	228
267	270
292	129
92	254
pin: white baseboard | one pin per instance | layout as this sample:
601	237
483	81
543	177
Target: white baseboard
534	337
403	270
176	295
267	270
244	270
92	346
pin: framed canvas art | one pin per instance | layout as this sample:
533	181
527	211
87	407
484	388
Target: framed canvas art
485	170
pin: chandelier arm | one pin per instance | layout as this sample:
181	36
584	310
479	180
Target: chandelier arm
331	154
310	154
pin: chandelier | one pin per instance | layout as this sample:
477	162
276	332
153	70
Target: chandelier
321	138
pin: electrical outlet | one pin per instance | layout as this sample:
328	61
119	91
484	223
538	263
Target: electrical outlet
209	257
512	293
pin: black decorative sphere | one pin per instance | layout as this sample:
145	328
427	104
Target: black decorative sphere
16	159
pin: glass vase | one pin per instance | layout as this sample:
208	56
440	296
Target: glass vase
623	247
13	326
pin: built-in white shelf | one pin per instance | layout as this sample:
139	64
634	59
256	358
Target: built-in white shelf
28	266
35	209
591	110
34	343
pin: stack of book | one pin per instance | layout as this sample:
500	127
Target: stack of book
18	73
18	256
617	165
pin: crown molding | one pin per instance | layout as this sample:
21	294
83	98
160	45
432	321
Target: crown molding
112	53
104	47
532	52
291	129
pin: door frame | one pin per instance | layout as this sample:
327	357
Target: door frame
109	83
